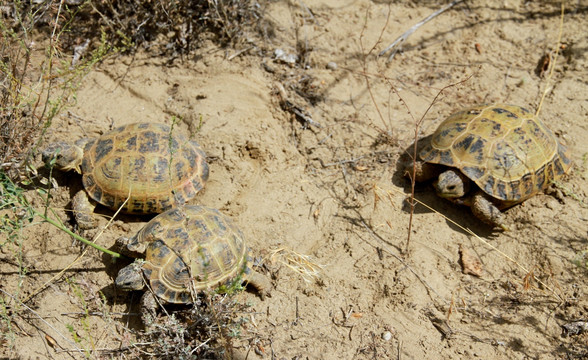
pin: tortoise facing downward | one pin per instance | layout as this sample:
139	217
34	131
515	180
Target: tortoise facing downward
186	250
506	151
148	163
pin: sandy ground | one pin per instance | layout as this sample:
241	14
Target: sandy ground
332	191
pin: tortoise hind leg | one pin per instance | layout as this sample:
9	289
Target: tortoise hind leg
83	210
260	282
485	210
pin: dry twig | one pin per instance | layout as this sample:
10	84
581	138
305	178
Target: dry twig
396	44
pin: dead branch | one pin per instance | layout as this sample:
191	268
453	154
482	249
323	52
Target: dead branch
396	44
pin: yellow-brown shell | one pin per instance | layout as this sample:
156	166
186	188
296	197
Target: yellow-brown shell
155	166
191	246
506	150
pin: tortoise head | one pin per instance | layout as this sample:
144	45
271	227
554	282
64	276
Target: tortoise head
63	156
130	277
452	184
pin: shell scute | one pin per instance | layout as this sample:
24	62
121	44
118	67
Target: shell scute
131	143
96	193
469	149
527	185
103	148
157	249
150	142
473	172
445	137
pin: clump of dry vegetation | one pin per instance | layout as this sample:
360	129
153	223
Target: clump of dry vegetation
205	330
162	27
20	110
180	24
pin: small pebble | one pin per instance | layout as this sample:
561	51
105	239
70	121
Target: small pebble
386	336
332	65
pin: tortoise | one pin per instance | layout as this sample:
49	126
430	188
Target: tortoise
147	163
491	157
184	251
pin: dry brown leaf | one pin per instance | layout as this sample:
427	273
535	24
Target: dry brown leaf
51	341
470	263
527	280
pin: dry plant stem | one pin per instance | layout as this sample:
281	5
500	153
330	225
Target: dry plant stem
52	42
239	53
402	38
552	65
417	123
364	61
297	262
77	349
417	128
199	346
367	75
107	350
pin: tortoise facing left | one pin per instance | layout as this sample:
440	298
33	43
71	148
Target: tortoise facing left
184	251
491	157
148	163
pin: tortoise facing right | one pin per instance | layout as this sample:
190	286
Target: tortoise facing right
491	157
186	250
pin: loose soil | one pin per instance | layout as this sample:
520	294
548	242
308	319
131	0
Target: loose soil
331	188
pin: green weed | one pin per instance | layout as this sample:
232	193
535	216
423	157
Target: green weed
7	337
86	342
581	259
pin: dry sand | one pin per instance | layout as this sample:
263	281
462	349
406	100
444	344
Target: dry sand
334	193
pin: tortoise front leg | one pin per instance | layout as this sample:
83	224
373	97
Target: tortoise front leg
148	309
83	210
485	210
423	171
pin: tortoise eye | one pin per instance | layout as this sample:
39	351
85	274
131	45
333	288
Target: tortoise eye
451	187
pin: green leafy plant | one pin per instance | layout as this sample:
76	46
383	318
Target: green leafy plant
87	341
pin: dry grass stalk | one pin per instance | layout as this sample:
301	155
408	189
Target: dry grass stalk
301	264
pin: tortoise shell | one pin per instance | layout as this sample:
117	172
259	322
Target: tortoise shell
148	163
505	149
190	246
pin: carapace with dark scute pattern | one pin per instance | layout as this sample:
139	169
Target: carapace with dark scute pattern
504	150
151	165
184	251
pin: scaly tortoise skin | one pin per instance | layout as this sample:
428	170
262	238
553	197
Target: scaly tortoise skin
186	250
505	150
158	168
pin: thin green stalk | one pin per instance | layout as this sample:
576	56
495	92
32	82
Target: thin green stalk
78	237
